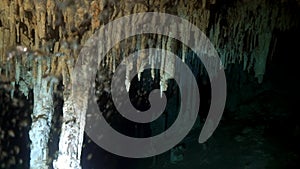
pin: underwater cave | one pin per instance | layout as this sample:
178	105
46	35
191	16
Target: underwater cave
66	66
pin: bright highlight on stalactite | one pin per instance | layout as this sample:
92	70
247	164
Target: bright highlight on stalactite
40	41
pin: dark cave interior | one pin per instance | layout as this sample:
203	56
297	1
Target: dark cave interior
260	127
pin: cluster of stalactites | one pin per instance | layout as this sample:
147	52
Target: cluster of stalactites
37	35
26	68
244	33
59	28
194	11
136	65
45	25
46	29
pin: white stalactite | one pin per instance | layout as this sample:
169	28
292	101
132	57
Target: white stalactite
163	78
129	67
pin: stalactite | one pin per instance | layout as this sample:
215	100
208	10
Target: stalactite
163	75
13	84
182	12
151	60
110	62
114	60
170	60
95	8
18	70
141	63
156	55
12	17
129	67
40	30
18	32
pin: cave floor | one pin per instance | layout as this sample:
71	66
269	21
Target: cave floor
238	147
265	136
